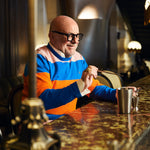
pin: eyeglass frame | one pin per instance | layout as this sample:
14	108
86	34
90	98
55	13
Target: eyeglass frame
68	34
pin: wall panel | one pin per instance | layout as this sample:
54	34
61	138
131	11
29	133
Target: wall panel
13	42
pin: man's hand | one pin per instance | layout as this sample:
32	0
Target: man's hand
135	91
88	75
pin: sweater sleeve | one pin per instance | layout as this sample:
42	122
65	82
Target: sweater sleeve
56	97
105	93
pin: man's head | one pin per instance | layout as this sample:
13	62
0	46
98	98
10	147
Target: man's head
64	35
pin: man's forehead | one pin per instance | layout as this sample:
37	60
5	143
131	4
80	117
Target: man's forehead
65	24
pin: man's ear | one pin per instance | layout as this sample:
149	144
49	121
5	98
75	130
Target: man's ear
50	35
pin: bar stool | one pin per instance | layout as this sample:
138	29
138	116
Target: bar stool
14	103
110	79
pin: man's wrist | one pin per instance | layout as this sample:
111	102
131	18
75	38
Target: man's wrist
81	86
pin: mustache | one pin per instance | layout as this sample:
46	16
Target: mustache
72	44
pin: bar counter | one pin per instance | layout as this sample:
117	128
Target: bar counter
99	126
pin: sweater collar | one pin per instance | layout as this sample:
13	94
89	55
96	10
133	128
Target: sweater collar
57	52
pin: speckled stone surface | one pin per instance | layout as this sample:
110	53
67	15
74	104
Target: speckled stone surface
99	126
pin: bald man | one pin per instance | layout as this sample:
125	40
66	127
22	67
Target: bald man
63	76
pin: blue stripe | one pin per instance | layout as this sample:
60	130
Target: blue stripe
26	70
42	64
67	71
53	117
104	93
61	70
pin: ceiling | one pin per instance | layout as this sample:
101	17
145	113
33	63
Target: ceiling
133	13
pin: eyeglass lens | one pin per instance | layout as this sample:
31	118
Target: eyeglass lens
71	36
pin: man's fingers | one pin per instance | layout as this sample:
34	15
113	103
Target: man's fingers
92	70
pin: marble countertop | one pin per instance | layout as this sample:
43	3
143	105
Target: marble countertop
99	126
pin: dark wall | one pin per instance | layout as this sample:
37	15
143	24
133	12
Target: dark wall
13	39
94	45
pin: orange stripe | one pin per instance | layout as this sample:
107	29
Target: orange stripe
43	82
94	84
64	109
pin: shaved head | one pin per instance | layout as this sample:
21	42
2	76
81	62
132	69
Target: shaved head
62	23
60	27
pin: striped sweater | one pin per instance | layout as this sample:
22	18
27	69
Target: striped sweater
56	82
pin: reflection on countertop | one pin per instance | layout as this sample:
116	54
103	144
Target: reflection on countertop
98	125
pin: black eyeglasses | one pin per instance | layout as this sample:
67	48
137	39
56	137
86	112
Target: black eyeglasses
71	36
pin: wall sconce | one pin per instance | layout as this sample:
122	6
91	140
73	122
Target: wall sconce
89	12
134	46
147	12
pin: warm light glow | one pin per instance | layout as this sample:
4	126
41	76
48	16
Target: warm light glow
147	12
147	4
134	46
89	12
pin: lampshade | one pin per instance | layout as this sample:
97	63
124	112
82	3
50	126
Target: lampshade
89	12
134	46
147	12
